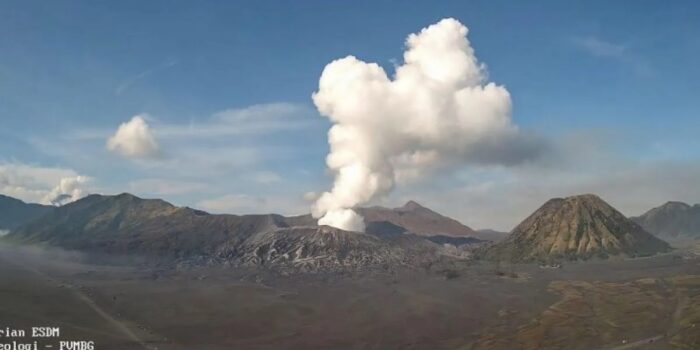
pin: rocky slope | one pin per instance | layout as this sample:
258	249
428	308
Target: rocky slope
125	224
14	212
329	249
128	225
573	228
672	220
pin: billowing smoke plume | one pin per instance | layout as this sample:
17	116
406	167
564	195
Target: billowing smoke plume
69	189
438	110
54	186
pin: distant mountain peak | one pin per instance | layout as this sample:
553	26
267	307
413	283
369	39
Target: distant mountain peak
412	205
576	227
676	204
2	196
587	198
414	218
672	219
127	196
120	196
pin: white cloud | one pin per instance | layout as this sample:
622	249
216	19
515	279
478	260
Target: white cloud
42	184
252	120
439	111
69	189
230	151
134	139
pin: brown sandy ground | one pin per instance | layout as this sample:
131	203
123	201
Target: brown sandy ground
594	305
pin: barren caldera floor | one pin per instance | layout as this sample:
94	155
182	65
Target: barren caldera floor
649	303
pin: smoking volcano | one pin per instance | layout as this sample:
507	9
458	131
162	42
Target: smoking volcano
438	111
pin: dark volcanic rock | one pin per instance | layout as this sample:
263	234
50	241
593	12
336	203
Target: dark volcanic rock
327	248
385	229
672	220
573	228
490	235
14	212
456	241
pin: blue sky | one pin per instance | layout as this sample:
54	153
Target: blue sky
611	86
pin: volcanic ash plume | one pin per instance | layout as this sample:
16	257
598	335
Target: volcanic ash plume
437	111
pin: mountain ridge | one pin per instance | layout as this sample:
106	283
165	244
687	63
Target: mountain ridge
127	225
415	218
673	219
575	228
15	212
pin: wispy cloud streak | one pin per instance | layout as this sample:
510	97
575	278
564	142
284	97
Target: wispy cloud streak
126	84
600	48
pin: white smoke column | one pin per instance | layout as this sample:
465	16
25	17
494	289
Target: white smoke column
438	110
